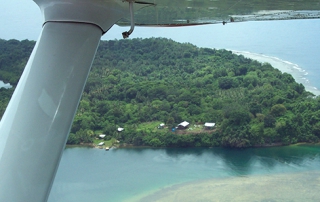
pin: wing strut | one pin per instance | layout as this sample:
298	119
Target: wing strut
127	34
36	124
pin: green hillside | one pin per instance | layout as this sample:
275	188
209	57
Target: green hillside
139	83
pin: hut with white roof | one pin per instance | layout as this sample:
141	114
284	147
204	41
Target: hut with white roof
102	136
209	126
161	125
183	125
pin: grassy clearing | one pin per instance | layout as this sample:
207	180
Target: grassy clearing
195	127
149	126
107	143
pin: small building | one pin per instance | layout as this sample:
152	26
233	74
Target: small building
120	129
183	125
209	126
102	136
101	143
161	126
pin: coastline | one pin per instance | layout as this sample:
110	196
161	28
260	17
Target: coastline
130	146
297	72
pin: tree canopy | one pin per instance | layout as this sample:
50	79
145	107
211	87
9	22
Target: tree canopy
139	81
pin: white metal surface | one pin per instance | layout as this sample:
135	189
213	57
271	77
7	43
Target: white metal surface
99	12
37	121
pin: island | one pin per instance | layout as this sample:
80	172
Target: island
150	88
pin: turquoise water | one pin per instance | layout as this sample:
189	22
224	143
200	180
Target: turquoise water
87	174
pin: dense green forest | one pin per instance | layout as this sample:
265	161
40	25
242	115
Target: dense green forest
139	83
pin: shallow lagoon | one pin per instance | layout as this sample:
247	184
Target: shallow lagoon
177	174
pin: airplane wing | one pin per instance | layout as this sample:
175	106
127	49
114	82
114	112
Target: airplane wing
197	12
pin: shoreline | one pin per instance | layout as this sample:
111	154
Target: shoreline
130	146
297	72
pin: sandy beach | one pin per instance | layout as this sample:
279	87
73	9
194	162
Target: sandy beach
279	187
284	66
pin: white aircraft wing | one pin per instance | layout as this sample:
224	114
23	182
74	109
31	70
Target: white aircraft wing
195	12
